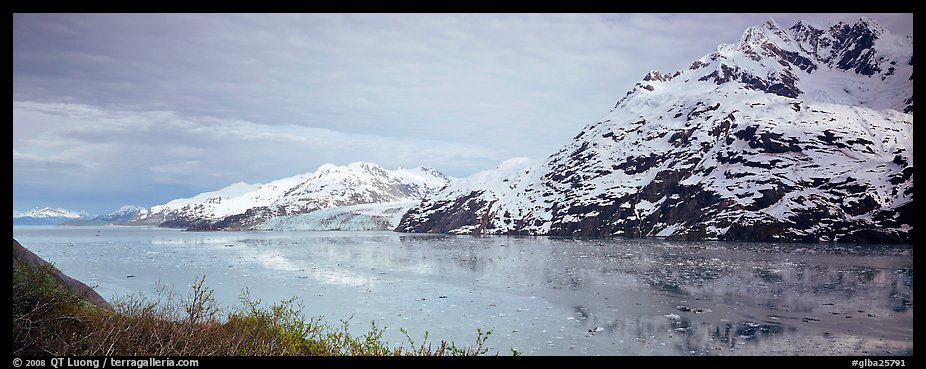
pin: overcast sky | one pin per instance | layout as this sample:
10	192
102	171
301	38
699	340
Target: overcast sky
140	109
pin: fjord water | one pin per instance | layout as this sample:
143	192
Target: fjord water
538	295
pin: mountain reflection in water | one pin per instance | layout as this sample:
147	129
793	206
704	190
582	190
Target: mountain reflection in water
538	295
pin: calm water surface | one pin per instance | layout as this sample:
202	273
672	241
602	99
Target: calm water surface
538	295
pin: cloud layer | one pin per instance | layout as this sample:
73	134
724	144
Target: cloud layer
172	104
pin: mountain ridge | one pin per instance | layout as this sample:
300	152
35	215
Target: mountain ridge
246	206
47	216
800	134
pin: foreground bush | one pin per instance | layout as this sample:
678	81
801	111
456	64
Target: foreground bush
50	320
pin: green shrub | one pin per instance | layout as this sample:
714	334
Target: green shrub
49	320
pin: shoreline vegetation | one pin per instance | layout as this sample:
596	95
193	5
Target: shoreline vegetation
53	315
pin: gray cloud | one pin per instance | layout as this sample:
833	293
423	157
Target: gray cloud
84	148
135	99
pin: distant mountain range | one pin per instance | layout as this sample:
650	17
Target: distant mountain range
59	216
371	198
47	216
119	216
358	196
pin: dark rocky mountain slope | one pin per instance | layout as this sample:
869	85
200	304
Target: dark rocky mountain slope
798	134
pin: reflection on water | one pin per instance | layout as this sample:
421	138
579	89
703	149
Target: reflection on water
538	295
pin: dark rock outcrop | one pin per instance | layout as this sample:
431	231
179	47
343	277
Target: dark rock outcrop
24	255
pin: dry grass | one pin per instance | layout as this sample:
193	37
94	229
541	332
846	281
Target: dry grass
48	320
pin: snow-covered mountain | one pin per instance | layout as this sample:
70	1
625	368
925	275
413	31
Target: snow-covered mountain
121	215
46	216
244	206
799	134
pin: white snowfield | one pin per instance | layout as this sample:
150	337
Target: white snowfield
793	134
365	217
330	186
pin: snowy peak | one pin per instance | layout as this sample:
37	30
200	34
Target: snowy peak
859	64
358	183
244	206
47	216
48	212
432	177
481	202
799	134
127	209
59	216
760	36
358	168
853	47
122	214
361	172
656	76
847	47
213	197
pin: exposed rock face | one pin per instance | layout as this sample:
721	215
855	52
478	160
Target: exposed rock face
24	255
243	206
799	134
